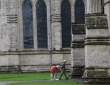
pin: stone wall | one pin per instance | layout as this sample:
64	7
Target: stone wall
12	54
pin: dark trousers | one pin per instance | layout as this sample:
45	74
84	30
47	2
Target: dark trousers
63	72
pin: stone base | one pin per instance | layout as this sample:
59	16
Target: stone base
96	81
96	76
10	69
76	72
24	68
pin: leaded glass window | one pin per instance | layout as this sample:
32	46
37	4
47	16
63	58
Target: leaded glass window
66	23
41	12
79	11
27	24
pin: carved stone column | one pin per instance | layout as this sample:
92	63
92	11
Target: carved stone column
96	49
56	24
77	50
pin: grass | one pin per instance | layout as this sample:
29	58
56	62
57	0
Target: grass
24	76
34	76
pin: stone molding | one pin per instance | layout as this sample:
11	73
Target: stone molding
12	19
77	44
97	41
93	68
35	52
55	18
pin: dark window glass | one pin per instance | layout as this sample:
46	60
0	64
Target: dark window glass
27	24
79	11
41	24
66	23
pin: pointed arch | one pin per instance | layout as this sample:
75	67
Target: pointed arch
41	12
79	11
27	13
66	23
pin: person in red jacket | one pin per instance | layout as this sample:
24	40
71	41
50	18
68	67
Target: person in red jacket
53	70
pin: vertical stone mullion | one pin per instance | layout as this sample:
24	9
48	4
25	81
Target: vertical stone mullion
72	11
48	23
20	22
34	26
56	24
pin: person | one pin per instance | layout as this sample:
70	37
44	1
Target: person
63	71
53	73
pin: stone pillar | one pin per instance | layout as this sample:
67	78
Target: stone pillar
96	44
96	49
8	35
77	50
56	24
107	11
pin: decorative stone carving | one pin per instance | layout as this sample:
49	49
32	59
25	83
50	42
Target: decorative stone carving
78	28
96	21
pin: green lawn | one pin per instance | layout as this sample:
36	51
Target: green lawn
27	76
34	76
24	76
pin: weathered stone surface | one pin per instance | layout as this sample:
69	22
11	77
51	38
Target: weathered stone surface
12	51
77	51
96	50
96	55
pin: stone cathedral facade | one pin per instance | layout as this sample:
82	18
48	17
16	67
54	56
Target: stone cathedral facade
35	34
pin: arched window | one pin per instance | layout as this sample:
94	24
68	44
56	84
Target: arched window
79	11
41	13
102	6
27	24
66	23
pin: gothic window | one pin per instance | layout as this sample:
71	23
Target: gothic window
102	6
41	13
66	23
27	24
79	11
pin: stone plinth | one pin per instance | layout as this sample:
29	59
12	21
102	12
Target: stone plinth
77	50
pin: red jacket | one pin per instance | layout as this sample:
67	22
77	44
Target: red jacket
53	69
